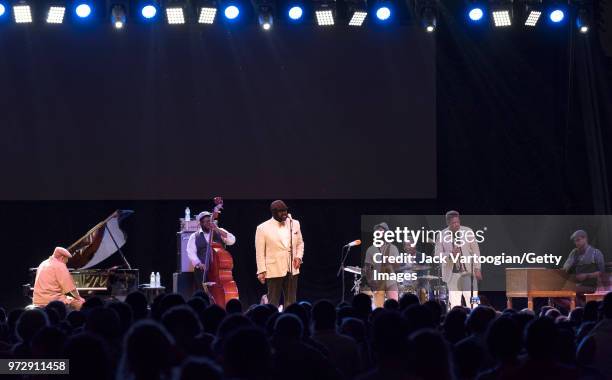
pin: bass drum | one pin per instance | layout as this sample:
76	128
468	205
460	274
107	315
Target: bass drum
407	287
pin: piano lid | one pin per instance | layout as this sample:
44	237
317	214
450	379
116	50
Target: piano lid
101	242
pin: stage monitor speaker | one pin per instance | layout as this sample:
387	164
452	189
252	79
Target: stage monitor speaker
183	284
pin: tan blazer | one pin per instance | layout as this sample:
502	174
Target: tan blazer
446	248
271	254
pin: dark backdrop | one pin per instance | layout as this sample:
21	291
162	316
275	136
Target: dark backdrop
522	121
155	111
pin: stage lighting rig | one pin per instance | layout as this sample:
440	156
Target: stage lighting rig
265	11
357	11
176	12
56	12
206	11
533	12
383	10
502	13
22	11
583	21
295	12
476	11
557	12
83	9
427	12
325	12
2	9
118	13
148	9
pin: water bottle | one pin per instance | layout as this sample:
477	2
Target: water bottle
157	280
187	214
475	300
152	280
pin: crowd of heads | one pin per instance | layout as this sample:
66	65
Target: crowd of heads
174	338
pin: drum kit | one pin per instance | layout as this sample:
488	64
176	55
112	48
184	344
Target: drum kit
427	286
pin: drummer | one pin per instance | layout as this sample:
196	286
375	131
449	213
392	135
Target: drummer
421	268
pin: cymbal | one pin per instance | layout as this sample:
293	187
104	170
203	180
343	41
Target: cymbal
352	269
414	267
428	277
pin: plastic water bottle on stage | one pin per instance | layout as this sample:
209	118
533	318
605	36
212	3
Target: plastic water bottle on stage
152	280
157	280
187	214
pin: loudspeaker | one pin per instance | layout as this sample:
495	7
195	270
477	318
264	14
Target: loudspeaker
184	264
183	284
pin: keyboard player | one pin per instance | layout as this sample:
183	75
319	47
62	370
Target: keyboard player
586	263
54	283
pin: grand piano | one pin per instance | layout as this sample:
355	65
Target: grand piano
89	255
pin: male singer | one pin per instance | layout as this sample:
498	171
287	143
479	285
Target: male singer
197	245
457	275
279	249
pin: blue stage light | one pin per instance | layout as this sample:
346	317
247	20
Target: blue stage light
557	15
148	11
383	13
2	9
231	12
296	12
476	14
83	10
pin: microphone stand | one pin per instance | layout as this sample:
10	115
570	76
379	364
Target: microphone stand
471	284
343	256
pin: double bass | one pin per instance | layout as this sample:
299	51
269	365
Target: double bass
219	283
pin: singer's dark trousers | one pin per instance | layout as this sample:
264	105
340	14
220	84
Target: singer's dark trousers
287	286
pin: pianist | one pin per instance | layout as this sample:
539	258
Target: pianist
54	282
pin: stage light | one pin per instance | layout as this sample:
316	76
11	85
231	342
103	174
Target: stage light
324	14
582	21
296	12
175	15
429	19
532	18
357	11
383	13
325	17
118	16
533	12
476	14
83	10
207	15
501	18
231	12
2	9
556	15
22	13
149	11
358	18
55	15
265	17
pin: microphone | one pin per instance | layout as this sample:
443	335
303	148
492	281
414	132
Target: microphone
353	243
289	216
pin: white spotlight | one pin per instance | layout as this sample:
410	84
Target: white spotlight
207	15
175	15
358	18
56	15
22	13
325	17
501	18
533	18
